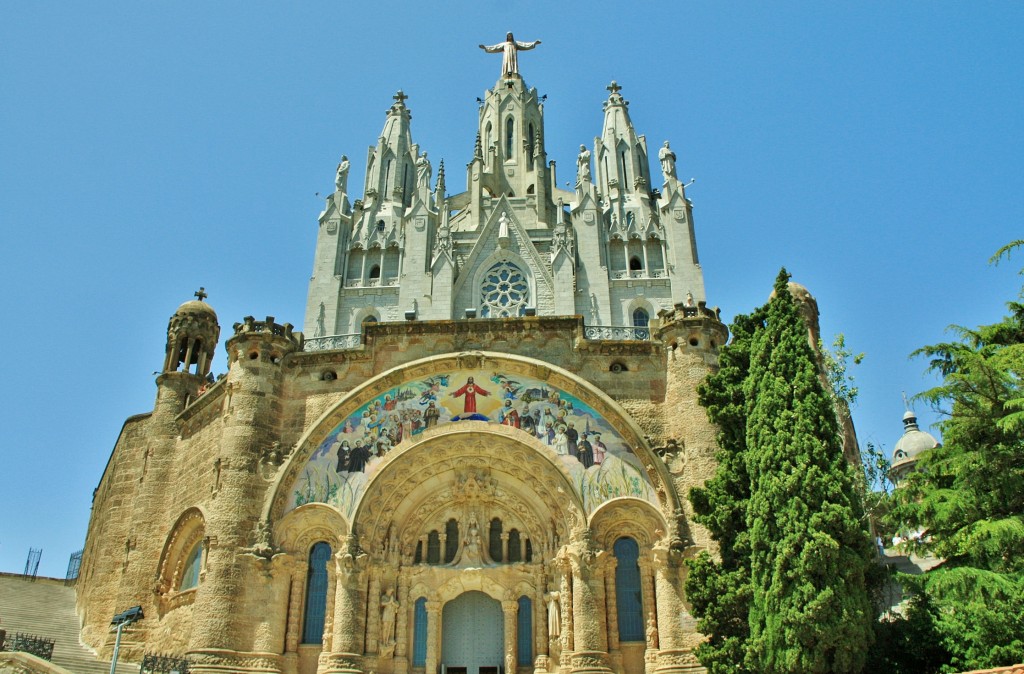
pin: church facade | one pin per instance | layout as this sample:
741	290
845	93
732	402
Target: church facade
474	458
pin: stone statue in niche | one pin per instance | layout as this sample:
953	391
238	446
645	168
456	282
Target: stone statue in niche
652	631
472	553
388	613
554	614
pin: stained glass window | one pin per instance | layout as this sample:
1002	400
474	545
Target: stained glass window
524	631
193	563
505	292
419	633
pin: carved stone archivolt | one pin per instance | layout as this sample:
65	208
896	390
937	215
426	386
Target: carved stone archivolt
297	531
186	533
631	517
472	468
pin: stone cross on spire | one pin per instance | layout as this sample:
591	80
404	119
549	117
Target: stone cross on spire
509	50
201	294
614	87
400	97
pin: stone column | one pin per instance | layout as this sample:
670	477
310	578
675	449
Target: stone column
590	647
675	655
647	593
290	660
565	643
433	636
510	608
612	609
373	613
271	633
346	647
401	663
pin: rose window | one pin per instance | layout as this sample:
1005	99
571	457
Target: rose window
504	292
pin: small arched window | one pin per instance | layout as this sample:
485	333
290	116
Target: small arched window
641	319
419	633
514	552
375	271
433	548
418	558
193	564
316	594
524	632
636	264
451	541
494	540
628	596
510	128
529	551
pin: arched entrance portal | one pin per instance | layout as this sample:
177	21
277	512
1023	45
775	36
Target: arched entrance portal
472	630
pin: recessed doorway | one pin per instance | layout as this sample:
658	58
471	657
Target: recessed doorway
472	634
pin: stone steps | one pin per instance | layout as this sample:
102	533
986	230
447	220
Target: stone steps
46	608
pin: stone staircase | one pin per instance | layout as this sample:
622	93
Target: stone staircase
46	608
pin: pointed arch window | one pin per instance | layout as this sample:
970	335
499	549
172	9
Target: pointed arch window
316	594
510	127
641	319
627	590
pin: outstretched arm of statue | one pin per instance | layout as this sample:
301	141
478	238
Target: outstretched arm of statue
493	49
527	45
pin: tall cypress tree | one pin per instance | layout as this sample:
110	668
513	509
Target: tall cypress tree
809	549
719	590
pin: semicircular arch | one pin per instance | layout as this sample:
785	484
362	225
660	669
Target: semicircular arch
473	469
407	395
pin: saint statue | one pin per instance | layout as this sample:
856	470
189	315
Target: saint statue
341	177
509	48
652	631
668	161
583	166
388	613
554	614
423	171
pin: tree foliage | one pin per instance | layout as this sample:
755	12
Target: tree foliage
966	497
719	591
790	591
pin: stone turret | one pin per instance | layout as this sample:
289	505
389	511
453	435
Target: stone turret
252	420
192	335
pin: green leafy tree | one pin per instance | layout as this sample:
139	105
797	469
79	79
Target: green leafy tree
810	553
966	498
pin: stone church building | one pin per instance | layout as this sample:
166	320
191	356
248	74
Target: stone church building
474	458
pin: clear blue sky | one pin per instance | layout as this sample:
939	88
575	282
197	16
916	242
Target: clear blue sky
875	149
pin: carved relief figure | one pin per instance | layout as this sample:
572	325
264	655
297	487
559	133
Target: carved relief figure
652	631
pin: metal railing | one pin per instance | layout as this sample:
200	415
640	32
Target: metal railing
620	332
333	343
163	664
41	647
